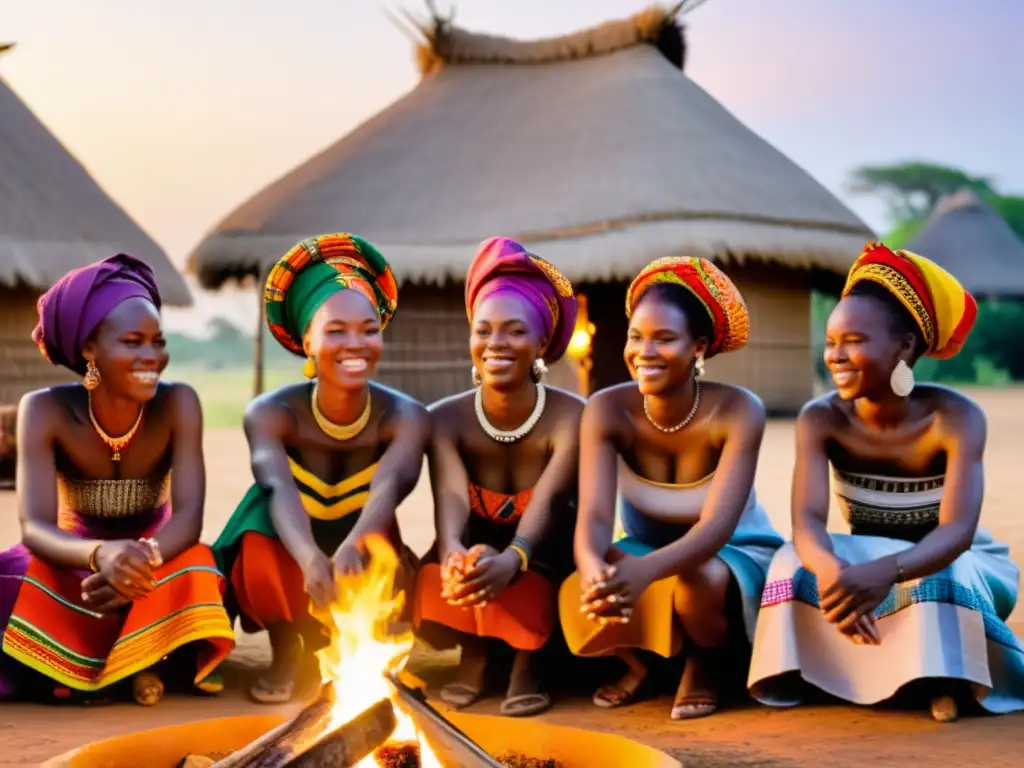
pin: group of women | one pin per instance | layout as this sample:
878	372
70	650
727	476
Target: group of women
626	525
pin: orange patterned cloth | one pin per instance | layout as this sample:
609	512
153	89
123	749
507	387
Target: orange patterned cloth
498	507
940	306
713	289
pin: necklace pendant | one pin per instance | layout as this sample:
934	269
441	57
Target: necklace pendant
116	456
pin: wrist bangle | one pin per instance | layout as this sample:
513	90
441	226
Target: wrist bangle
524	560
92	558
901	575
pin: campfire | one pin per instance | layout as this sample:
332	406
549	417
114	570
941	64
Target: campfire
365	715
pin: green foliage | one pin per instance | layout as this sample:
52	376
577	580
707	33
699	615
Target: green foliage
1011	208
912	189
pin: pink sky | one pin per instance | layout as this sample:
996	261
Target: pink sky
183	108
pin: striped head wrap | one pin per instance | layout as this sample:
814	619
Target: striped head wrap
940	306
711	286
313	271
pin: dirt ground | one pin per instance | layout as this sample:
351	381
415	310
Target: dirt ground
746	735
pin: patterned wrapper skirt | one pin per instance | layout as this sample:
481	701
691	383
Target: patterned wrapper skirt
950	625
653	626
50	630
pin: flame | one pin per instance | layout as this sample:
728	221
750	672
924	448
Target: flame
365	646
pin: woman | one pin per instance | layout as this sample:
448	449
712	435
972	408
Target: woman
917	591
694	543
111	577
503	469
332	458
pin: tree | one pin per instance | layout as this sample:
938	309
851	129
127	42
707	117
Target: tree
912	189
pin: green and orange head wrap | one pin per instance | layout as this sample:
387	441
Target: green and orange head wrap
940	306
712	288
313	271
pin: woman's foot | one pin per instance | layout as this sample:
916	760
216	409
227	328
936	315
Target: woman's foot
468	686
147	688
277	684
524	696
697	695
944	708
624	691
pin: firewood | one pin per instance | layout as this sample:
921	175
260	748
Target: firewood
302	741
452	746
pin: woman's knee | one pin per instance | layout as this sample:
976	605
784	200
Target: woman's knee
700	600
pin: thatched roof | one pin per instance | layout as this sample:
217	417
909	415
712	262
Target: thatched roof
964	235
593	148
54	216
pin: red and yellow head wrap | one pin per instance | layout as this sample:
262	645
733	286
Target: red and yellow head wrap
711	286
315	269
940	306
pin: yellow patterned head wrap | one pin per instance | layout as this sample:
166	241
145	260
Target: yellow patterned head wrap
940	306
713	289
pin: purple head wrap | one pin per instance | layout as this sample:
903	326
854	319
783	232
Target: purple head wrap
77	303
502	265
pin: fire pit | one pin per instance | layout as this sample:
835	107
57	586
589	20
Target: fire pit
366	715
166	747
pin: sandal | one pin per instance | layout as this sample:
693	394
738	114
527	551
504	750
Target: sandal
264	691
700	703
460	695
525	704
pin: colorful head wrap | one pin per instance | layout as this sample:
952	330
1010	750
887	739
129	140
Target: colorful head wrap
75	306
714	290
940	306
313	271
502	265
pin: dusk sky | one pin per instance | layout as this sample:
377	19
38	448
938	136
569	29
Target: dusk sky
181	109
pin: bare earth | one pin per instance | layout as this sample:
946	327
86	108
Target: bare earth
748	736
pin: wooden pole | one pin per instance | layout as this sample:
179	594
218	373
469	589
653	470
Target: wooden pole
257	344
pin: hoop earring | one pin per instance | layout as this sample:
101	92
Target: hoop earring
538	371
901	380
698	366
92	375
309	368
476	377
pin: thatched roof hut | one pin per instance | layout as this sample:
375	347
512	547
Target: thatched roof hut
967	237
53	217
593	148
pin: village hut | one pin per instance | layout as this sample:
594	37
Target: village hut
53	217
967	237
595	150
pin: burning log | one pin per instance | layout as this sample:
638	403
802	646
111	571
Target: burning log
309	741
452	746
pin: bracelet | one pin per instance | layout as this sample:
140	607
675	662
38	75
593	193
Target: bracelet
92	558
524	545
522	556
901	575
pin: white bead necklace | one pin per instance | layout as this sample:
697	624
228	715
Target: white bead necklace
519	432
684	422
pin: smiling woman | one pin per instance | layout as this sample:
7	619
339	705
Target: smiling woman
332	459
917	594
110	579
680	561
503	471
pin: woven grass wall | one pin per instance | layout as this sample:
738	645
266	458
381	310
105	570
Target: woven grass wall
22	368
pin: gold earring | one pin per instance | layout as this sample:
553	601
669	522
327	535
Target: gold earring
92	375
538	370
699	365
477	378
309	368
